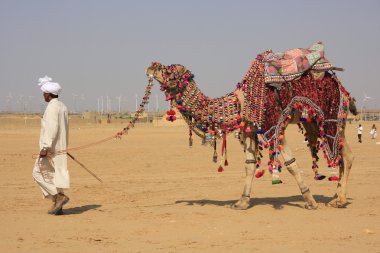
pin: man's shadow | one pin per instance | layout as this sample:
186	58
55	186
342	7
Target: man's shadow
276	202
79	209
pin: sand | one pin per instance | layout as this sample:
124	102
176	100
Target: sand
159	195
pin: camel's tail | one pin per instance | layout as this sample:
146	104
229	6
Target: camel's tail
352	106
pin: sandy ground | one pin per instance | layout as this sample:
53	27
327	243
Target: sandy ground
159	195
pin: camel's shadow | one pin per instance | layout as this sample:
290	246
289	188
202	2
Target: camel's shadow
276	202
79	209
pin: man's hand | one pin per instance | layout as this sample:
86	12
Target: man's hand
43	152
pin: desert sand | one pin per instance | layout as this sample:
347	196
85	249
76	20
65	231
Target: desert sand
159	195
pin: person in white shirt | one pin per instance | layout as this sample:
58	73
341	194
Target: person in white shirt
373	132
360	132
50	170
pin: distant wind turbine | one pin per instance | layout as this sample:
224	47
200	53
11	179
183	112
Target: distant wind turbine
82	97
30	103
8	100
102	106
108	104
156	103
75	96
119	99
21	102
136	102
366	98
125	107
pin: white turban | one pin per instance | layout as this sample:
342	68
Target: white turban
47	86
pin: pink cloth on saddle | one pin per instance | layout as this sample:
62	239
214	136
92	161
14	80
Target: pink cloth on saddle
280	67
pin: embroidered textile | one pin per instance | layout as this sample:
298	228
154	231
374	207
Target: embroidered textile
280	67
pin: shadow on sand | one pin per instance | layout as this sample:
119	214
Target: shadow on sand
276	202
79	209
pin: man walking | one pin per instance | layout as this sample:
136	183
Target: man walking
50	170
360	132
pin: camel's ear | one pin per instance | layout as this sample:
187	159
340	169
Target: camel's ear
182	70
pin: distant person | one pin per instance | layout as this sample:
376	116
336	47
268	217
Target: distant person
373	132
360	132
50	170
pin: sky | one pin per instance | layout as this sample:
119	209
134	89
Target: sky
98	49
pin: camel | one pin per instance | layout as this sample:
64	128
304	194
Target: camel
314	99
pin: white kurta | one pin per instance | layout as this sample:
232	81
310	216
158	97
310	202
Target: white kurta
54	137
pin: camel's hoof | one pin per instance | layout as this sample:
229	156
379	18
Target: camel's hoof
239	207
242	204
336	203
311	206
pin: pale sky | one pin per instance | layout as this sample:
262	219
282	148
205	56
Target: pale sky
101	48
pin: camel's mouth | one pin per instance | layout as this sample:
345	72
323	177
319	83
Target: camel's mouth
148	73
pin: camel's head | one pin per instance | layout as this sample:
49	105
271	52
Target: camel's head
153	71
170	77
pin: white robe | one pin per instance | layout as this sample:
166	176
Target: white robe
54	136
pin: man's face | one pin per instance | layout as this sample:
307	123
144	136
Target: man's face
46	97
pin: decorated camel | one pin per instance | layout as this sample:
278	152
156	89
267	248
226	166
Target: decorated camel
295	87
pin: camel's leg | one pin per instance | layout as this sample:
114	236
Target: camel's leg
291	165
312	136
250	165
339	199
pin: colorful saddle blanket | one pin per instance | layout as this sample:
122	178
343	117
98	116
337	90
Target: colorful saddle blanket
280	67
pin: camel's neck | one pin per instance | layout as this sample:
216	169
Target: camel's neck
191	101
207	112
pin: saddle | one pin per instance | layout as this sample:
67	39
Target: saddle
287	66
